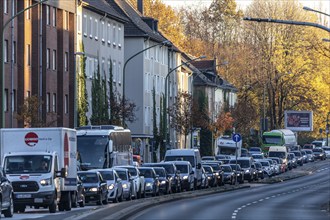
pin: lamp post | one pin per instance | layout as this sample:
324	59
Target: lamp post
75	113
2	69
124	73
327	128
313	10
166	91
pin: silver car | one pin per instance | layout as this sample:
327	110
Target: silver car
127	182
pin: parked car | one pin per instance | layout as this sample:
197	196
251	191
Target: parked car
6	196
326	151
173	174
310	155
211	175
95	186
186	174
164	179
239	172
228	174
319	153
127	182
114	184
299	157
138	181
151	179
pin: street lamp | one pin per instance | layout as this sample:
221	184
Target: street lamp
75	113
124	73
313	10
2	69
166	85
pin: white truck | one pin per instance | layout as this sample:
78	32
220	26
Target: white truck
41	164
226	146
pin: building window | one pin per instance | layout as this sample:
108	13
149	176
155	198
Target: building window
14	51
66	102
5	6
66	21
13	101
114	35
114	71
48	102
54	17
6	101
102	32
54	59
6	51
119	36
120	75
47	15
48	58
85	23
109	33
54	102
28	55
66	61
91	27
96	29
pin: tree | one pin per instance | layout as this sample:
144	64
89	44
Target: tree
29	113
180	114
82	101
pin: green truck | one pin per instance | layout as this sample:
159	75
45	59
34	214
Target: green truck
279	137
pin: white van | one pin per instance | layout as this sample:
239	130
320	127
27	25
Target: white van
279	151
191	155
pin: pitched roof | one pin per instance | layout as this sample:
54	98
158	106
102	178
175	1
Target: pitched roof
136	27
102	6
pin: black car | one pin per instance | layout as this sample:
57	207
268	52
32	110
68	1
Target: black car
211	175
238	172
299	156
164	179
228	173
95	187
319	154
259	169
219	172
6	194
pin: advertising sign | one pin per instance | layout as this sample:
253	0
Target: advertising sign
298	120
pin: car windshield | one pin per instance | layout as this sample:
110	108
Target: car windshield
132	171
147	173
258	165
88	177
160	172
28	164
182	168
168	167
244	163
107	175
233	166
191	159
215	166
122	174
265	163
276	154
208	169
227	169
317	150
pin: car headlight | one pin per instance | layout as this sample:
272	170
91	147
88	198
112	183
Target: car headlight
125	186
94	189
185	177
238	174
111	187
209	177
247	171
149	184
46	182
163	182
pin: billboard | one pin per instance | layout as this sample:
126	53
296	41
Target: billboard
298	120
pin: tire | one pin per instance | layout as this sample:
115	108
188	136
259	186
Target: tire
10	211
74	200
53	205
99	202
115	200
61	207
82	203
67	202
19	208
139	193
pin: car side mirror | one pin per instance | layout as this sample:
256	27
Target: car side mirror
192	172
3	179
63	173
199	165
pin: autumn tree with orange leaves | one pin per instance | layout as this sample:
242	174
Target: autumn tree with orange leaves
223	123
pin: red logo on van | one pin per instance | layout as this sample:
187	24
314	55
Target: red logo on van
31	139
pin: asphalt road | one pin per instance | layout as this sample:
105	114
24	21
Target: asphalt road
301	198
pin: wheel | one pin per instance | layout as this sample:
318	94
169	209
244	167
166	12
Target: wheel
139	193
99	201
82	203
74	200
53	205
115	200
67	202
10	210
19	208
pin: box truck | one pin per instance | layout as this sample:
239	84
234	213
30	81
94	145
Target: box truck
41	164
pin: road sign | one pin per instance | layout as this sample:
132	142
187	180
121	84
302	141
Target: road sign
237	137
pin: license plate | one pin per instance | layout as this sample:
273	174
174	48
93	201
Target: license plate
38	200
23	196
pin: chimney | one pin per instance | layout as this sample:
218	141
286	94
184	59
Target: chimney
140	6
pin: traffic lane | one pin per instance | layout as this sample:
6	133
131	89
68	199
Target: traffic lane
304	199
231	205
